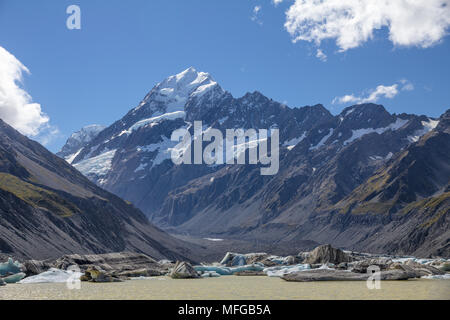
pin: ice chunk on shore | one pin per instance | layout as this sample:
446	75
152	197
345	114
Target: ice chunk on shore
14	278
53	275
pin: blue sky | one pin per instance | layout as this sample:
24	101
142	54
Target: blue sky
98	73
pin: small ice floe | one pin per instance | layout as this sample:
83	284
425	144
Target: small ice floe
53	275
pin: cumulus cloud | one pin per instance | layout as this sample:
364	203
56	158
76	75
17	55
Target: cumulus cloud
277	2
350	23
16	106
256	15
374	95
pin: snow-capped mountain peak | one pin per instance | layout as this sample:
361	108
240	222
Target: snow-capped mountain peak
79	139
172	94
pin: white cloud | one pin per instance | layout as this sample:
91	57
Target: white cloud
256	15
16	106
421	23
320	55
406	85
277	2
374	95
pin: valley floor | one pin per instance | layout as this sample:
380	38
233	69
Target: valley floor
231	287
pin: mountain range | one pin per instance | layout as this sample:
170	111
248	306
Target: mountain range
48	209
364	179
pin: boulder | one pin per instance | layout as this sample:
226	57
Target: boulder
96	274
183	270
326	253
340	275
2	283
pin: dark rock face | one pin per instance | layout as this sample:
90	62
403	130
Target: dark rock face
48	209
327	254
363	179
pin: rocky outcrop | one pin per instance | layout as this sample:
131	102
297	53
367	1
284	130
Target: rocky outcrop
183	270
327	254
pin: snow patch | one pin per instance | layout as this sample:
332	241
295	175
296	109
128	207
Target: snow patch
294	141
154	121
322	142
72	157
427	127
356	134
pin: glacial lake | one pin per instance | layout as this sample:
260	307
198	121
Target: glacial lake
231	287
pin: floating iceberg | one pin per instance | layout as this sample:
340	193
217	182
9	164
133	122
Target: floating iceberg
53	275
227	271
10	267
237	259
280	271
